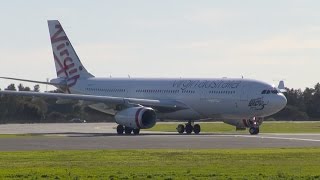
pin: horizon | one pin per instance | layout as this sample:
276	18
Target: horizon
169	39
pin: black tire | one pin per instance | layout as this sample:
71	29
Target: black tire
136	131
189	128
180	128
120	129
254	131
257	130
196	128
127	130
251	131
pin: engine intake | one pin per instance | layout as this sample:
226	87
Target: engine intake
137	117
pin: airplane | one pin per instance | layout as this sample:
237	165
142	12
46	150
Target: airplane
138	103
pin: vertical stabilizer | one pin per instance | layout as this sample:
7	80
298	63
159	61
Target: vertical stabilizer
281	86
67	62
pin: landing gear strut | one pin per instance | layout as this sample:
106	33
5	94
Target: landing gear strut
188	128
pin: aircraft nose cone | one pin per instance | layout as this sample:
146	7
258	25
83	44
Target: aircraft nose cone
282	101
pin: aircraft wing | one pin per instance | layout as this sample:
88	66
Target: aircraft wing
160	105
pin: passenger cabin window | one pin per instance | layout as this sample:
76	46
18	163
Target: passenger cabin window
222	92
105	90
167	91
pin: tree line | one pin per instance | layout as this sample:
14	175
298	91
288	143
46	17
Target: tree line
22	109
302	105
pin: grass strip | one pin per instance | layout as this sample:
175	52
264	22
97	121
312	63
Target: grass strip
301	163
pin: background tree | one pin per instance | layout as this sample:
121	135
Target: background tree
312	101
36	88
22	88
11	87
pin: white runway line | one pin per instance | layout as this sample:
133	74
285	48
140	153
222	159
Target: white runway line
279	138
243	136
292	134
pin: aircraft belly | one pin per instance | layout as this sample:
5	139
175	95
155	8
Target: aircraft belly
217	107
187	114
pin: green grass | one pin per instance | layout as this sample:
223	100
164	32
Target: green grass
266	127
162	164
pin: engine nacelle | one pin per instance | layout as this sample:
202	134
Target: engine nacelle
245	123
137	117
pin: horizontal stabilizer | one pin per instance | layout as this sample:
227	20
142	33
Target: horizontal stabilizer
39	82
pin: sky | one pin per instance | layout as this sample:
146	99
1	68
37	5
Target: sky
266	40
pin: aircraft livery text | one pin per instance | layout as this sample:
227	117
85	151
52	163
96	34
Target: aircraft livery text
214	84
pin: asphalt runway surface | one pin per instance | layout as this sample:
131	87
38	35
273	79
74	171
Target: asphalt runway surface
103	136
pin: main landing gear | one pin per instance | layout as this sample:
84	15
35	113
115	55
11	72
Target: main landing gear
189	128
127	130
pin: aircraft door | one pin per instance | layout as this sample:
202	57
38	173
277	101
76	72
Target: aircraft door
244	93
242	103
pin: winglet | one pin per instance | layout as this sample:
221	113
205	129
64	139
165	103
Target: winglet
281	86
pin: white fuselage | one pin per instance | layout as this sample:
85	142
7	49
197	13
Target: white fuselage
206	98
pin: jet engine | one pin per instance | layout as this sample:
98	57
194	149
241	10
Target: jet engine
245	123
137	117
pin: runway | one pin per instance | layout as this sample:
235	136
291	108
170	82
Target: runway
102	136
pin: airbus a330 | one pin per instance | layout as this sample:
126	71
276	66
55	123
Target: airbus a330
138	103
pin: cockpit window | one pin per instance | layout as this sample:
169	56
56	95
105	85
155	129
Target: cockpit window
272	91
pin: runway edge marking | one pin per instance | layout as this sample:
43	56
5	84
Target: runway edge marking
279	138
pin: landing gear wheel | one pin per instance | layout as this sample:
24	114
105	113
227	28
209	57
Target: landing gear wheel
189	128
136	131
120	129
254	130
180	128
257	130
127	130
196	129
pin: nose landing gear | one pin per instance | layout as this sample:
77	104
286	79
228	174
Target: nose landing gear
254	130
254	124
189	128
